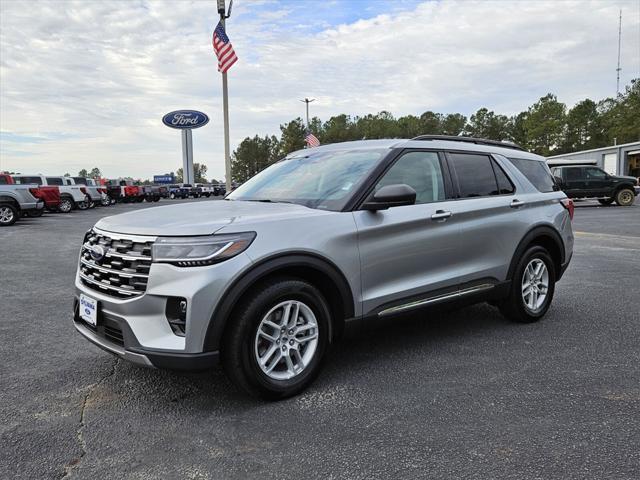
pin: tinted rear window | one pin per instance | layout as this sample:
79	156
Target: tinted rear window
25	180
54	181
476	176
536	172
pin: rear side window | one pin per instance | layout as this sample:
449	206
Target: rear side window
536	172
80	180
479	176
54	181
26	180
3	181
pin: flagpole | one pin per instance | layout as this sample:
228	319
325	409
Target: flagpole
225	107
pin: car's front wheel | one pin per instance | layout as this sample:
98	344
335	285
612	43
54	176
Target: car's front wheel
274	345
8	215
66	205
531	288
625	197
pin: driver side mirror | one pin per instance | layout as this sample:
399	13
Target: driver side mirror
391	196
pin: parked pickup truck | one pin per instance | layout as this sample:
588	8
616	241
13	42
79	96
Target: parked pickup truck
97	193
150	193
206	190
124	191
193	190
587	181
18	200
177	191
49	195
71	196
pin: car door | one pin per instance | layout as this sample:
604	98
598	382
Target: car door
597	183
575	184
409	251
491	215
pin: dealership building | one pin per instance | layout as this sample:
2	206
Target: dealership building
616	160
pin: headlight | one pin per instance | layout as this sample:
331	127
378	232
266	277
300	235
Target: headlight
200	251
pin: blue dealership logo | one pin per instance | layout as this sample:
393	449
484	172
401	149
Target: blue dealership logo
183	119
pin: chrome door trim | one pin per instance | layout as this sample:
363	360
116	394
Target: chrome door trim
437	299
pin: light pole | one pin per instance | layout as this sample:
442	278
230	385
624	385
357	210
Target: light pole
225	100
307	101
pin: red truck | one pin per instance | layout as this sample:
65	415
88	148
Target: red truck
50	195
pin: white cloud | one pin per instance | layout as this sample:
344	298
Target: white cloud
85	84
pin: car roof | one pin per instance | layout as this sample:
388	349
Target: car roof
432	142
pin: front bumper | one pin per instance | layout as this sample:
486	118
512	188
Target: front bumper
113	335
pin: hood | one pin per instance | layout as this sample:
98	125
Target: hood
200	218
626	178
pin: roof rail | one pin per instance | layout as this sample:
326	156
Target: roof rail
477	141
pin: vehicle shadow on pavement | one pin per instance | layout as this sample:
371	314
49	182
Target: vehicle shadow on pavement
402	339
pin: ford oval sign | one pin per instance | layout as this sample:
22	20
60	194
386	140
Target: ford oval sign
184	119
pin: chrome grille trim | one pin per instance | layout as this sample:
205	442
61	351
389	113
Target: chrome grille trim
123	271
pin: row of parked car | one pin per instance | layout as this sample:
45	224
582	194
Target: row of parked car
31	195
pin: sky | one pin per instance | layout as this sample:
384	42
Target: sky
85	84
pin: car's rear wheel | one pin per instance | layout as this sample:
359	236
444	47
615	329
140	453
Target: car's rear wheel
8	215
105	201
532	287
84	204
66	205
274	345
625	197
606	201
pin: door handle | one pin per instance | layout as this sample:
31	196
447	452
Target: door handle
515	203
440	215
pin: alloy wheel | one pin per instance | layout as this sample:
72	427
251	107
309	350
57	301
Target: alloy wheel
286	340
535	285
6	215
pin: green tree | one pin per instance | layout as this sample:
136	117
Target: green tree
585	127
292	137
83	173
339	128
199	173
409	126
517	129
453	124
67	174
545	125
252	156
486	124
95	173
621	117
380	125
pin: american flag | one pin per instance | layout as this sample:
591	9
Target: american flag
223	49
311	139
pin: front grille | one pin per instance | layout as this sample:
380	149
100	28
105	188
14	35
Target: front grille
123	270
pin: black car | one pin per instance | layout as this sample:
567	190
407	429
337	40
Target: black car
587	181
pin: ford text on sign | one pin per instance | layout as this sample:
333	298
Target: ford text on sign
185	119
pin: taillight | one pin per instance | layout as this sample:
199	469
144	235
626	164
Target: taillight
568	204
35	192
83	190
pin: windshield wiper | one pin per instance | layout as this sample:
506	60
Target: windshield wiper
268	200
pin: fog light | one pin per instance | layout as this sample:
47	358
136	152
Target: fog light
176	313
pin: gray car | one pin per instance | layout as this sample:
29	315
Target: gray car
326	240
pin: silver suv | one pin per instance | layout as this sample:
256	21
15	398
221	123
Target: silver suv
323	241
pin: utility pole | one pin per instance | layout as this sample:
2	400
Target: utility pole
618	69
307	101
222	10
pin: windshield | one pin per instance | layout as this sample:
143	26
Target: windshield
323	180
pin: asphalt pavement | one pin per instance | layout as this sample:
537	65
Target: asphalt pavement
462	394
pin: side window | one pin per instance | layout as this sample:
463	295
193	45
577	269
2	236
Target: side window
505	187
421	171
3	181
475	175
595	173
54	181
536	172
573	174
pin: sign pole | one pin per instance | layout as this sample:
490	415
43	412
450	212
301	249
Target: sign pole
187	157
225	103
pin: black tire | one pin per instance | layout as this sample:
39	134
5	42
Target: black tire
238	352
514	307
85	204
605	201
625	197
156	199
106	201
66	205
8	214
34	213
